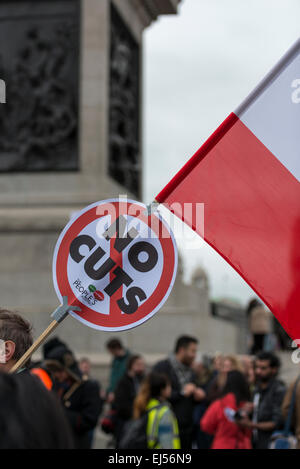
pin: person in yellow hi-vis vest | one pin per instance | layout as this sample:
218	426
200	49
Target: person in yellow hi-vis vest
162	427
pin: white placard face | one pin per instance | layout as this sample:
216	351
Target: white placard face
116	263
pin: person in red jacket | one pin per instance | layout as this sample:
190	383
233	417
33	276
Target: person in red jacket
222	417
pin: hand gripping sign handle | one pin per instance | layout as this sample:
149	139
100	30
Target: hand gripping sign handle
58	316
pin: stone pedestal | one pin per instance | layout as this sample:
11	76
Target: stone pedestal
70	135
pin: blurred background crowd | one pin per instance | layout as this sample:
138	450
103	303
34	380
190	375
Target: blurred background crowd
187	400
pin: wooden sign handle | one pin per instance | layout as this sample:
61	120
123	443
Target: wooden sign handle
21	362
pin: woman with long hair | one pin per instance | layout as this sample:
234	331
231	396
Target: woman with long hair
222	417
225	364
162	427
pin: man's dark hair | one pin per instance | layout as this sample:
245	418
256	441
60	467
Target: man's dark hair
114	344
30	416
273	360
13	327
184	341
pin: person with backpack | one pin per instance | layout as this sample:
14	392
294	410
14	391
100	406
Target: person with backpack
154	425
223	416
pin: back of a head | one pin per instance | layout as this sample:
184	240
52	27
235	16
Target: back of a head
16	329
151	388
52	344
55	349
58	355
157	383
30	416
236	383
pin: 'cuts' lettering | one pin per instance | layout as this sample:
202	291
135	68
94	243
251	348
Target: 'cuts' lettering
142	255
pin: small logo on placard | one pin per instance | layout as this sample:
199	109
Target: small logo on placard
97	294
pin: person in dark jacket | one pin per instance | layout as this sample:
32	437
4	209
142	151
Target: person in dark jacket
185	393
80	397
30	416
204	376
126	392
268	397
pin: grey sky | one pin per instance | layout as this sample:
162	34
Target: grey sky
198	67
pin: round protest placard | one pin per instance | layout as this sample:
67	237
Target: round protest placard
116	262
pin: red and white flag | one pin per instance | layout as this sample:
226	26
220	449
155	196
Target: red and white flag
247	174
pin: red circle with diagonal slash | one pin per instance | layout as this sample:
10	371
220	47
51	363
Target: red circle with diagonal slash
116	320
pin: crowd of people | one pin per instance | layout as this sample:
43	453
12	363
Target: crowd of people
184	401
220	402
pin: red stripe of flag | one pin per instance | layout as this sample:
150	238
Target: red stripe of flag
252	214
